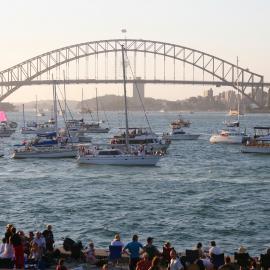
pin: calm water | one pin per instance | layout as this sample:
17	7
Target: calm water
198	192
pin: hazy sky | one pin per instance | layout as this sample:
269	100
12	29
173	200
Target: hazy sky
225	28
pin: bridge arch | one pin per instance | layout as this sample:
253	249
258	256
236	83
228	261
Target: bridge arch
25	72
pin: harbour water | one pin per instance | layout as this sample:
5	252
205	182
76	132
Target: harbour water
198	192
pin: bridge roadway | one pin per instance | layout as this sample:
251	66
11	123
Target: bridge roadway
112	81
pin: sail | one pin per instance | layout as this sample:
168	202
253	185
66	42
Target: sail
3	117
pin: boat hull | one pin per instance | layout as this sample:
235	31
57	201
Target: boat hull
121	160
256	150
6	133
45	154
227	139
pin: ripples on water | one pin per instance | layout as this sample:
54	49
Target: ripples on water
198	192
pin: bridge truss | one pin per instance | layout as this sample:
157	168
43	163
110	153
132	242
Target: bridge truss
165	57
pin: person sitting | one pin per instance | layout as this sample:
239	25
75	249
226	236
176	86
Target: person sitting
150	249
117	241
228	265
214	249
200	249
2	245
8	252
90	254
144	263
206	262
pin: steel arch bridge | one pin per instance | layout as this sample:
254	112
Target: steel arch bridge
222	72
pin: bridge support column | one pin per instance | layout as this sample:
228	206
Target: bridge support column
138	90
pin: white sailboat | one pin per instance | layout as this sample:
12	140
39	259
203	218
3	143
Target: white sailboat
61	150
115	156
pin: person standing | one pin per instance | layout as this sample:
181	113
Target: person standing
150	249
133	248
117	241
48	236
16	242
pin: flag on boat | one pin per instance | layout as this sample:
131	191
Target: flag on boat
3	117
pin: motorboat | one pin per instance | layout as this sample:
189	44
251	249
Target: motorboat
5	130
180	122
229	136
260	143
180	134
117	156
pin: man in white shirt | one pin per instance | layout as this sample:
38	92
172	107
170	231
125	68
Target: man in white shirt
214	249
175	264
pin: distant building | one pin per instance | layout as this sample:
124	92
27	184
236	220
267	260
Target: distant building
138	90
208	93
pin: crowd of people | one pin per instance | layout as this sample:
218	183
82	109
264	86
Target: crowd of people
149	257
22	247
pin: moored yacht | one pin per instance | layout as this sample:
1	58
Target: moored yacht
116	156
260	143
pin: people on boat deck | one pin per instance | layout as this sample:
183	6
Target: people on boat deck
150	249
133	248
214	249
117	241
144	263
48	236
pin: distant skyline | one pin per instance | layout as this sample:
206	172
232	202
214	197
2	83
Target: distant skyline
224	28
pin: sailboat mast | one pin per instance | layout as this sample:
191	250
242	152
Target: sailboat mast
82	111
97	105
23	116
238	101
55	107
65	96
125	94
36	110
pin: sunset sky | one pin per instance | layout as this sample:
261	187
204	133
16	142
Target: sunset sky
224	28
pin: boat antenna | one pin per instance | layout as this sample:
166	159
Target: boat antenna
125	94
